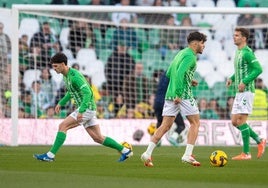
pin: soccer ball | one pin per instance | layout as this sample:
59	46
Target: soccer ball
218	158
127	145
151	129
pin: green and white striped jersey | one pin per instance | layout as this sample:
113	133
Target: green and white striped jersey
180	73
247	69
79	90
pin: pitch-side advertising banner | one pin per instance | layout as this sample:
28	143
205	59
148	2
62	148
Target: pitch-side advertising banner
42	132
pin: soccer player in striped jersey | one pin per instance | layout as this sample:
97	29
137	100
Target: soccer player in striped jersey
179	98
78	89
247	69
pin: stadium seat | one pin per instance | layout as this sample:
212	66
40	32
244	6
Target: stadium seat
64	37
29	26
205	3
262	55
85	58
94	69
154	37
226	3
151	57
29	76
204	67
84	2
217	57
56	77
219	89
226	69
105	54
68	53
214	77
170	55
109	36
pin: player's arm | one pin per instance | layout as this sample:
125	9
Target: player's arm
185	65
87	94
254	67
65	99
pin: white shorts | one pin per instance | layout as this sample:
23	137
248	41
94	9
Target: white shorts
186	107
243	103
89	118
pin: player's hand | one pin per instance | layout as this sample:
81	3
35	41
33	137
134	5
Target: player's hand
57	108
177	100
228	82
194	82
241	87
79	117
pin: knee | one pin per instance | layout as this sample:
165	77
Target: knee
98	139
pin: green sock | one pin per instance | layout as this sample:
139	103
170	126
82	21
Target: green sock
109	142
244	128
60	138
254	135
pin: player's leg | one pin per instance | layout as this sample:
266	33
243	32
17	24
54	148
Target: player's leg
180	123
239	121
190	110
64	126
165	126
243	104
95	133
173	135
93	129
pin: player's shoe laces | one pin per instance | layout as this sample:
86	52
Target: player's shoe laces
43	157
261	148
190	160
125	156
242	156
147	160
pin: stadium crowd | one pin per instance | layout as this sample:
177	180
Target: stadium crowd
130	72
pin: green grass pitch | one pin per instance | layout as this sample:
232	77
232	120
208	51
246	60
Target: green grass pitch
97	166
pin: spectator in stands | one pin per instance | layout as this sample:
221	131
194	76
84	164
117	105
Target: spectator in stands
260	104
245	19
119	65
169	37
136	87
5	44
5	51
49	113
186	22
62	2
25	102
126	35
228	109
78	36
154	18
207	110
215	107
145	2
118	16
48	85
258	36
40	99
24	51
181	3
43	44
94	88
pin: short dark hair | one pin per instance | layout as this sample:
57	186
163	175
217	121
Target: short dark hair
244	32
196	36
59	58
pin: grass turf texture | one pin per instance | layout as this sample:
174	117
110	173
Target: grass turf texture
96	166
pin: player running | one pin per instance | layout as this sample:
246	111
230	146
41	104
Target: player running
78	89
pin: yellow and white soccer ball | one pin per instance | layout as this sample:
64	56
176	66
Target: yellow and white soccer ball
218	158
151	129
127	145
